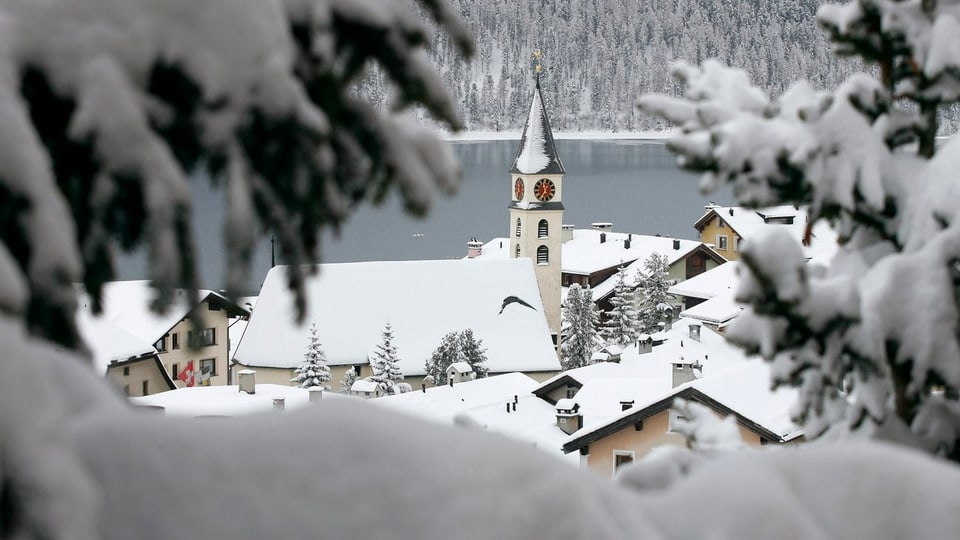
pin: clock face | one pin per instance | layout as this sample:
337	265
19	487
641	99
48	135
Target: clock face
544	189
518	189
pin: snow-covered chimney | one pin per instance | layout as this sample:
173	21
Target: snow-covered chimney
695	332
569	417
603	238
474	248
731	211
278	403
644	344
248	381
682	372
676	244
626	243
316	394
566	233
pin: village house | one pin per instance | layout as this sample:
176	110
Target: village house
191	332
644	424
726	228
423	301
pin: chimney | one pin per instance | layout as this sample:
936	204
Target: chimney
624	405
474	248
278	403
695	332
682	372
644	344
569	417
566	233
626	243
731	211
603	238
676	244
248	381
316	394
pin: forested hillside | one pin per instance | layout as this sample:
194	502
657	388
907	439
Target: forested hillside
600	55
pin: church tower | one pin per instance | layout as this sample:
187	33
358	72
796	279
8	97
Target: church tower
536	208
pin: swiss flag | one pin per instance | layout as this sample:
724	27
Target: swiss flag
188	375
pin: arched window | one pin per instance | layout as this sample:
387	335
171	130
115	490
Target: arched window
518	227
517	252
543	229
543	255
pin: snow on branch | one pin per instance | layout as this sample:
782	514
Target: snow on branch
107	110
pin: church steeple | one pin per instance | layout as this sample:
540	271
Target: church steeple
537	153
536	207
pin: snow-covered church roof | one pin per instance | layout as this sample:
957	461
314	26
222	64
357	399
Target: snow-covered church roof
538	152
423	301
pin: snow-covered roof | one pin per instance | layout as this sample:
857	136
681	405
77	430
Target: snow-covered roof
108	342
711	283
584	254
747	222
744	389
363	385
423	301
126	304
538	152
718	310
228	400
482	404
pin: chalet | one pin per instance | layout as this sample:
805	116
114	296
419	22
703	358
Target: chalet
176	338
644	424
423	301
727	227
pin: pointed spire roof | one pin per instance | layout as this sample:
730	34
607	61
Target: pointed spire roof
538	152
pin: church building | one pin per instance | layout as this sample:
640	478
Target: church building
536	207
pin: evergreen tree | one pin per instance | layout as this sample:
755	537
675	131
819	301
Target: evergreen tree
346	383
621	326
580	328
313	371
385	362
870	342
652	286
473	352
456	347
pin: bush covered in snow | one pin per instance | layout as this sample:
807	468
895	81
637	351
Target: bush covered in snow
871	341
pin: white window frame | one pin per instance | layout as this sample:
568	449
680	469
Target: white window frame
628	453
722	244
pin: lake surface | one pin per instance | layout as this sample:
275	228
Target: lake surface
633	184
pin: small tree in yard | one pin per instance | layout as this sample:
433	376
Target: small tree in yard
621	325
870	341
652	287
456	347
580	328
346	383
385	363
314	370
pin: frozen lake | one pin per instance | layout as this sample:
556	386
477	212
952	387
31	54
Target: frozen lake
633	184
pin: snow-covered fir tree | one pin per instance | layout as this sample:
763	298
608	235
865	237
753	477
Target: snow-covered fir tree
580	319
456	347
620	326
653	282
870	341
346	383
473	352
385	362
313	371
